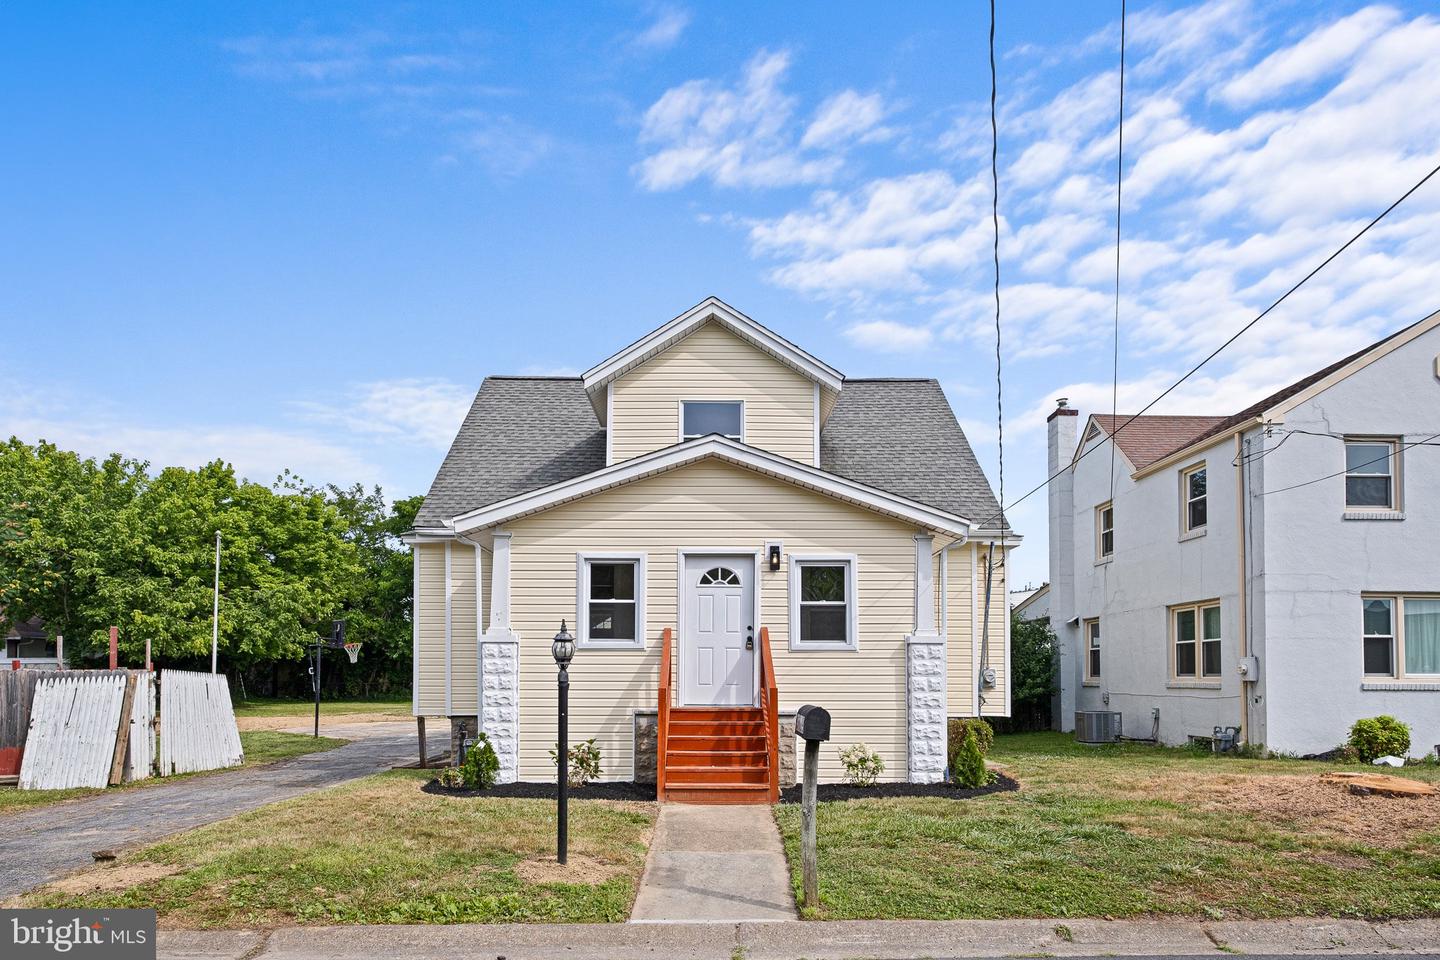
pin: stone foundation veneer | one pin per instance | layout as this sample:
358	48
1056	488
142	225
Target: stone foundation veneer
925	706
500	699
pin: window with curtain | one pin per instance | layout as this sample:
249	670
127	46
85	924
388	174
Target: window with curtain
1379	637
1422	635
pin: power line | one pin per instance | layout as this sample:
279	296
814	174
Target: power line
1119	186
1350	469
999	381
1236	336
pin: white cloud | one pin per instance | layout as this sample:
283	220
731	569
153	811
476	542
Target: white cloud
846	116
664	31
887	336
415	411
745	135
1323	51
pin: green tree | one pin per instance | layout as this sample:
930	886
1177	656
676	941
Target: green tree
1032	668
89	544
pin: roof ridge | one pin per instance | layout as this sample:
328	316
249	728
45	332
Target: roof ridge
891	380
528	376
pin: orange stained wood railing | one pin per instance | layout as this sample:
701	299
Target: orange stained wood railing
770	703
662	725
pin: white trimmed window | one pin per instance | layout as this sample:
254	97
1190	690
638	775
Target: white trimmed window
1104	531
1195	635
823	609
1401	636
610	600
1370	474
1092	649
701	418
1194	499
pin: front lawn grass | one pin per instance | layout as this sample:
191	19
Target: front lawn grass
1123	831
378	850
266	707
261	747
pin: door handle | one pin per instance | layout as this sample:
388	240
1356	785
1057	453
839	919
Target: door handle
750	637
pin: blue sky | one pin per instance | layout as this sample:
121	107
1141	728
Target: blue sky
296	235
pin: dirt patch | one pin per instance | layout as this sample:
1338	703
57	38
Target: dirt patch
531	790
119	876
1373	820
250	724
578	869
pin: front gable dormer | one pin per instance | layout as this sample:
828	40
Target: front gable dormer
713	369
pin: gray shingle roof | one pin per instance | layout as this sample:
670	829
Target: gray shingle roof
901	436
523	433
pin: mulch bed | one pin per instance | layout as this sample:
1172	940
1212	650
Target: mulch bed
828	792
529	790
627	790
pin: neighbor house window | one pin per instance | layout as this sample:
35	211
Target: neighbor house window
1092	649
822	603
1195	630
611	600
1370	474
1402	631
700	418
1194	499
1104	531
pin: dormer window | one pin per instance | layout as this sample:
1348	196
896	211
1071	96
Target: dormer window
701	418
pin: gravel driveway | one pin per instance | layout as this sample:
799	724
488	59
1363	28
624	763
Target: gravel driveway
47	842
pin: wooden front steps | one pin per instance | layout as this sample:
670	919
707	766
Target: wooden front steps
716	755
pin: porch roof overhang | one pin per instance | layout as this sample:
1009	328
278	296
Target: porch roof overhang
719	448
710	309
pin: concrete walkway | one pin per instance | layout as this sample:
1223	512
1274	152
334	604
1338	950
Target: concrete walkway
714	863
875	939
47	842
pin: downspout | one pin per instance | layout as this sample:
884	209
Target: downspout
1240	494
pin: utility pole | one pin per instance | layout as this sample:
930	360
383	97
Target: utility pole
215	615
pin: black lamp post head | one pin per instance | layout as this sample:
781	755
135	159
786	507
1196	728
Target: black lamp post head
563	649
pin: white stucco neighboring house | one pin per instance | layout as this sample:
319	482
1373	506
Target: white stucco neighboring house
1275	570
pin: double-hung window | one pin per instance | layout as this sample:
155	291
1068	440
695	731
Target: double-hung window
1195	635
1194	499
1370	474
1092	649
822	603
1401	636
700	418
611	600
1104	531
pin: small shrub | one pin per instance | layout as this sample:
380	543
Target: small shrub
967	769
863	766
481	766
584	762
450	777
955	736
1378	737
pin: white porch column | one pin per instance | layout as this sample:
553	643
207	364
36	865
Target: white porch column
499	677
925	676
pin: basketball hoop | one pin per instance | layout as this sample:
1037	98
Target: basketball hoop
352	650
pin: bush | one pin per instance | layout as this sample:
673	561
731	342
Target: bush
955	736
584	762
481	766
967	769
863	766
450	777
1378	737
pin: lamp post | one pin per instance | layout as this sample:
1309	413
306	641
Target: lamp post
563	650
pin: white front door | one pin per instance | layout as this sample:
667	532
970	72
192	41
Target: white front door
717	632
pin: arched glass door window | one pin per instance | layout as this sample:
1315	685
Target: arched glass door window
719	577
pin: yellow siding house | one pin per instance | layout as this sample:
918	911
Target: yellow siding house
730	529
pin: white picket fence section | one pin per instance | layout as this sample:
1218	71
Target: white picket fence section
140	754
73	721
197	723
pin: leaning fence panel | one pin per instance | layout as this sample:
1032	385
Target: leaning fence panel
197	723
140	753
74	719
17	690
